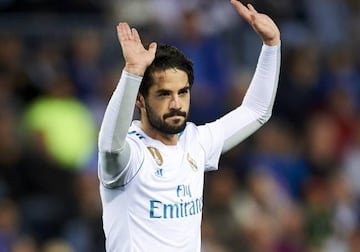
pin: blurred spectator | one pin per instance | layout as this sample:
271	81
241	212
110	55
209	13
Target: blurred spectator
85	64
84	231
321	144
24	244
61	126
293	187
209	242
297	97
283	160
354	241
344	213
47	60
342	73
351	160
56	245
17	84
257	212
317	210
218	210
9	223
212	72
292	226
328	31
10	153
62	135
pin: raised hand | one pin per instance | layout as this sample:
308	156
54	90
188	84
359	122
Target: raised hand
136	57
261	23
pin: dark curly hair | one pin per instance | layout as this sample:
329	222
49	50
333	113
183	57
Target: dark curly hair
166	57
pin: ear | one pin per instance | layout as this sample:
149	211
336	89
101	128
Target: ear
140	101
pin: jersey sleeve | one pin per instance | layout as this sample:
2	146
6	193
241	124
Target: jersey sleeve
211	137
258	102
114	148
223	134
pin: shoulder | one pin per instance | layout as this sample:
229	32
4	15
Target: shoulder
205	130
190	130
135	132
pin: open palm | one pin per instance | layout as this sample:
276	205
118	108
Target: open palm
137	58
261	23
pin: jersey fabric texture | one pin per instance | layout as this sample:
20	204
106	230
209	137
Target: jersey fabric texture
161	202
152	193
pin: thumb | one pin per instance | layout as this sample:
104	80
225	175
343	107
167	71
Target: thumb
152	48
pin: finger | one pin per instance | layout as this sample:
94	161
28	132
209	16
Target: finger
253	12
121	31
251	8
124	31
152	48
136	35
242	10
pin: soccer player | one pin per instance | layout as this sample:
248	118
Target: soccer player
152	170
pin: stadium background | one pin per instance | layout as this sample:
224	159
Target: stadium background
293	186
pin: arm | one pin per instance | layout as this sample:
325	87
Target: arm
114	151
259	99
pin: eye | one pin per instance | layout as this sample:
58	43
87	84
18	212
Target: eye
184	91
163	94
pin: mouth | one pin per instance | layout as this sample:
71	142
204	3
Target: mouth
175	116
175	120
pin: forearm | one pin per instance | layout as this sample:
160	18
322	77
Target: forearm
258	102
119	114
114	152
261	93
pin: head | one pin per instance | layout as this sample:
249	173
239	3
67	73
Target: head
164	94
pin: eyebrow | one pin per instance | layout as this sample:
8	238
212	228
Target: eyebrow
184	88
169	91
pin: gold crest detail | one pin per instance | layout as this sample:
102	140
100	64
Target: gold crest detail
156	155
191	162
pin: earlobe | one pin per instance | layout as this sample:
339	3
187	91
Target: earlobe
139	101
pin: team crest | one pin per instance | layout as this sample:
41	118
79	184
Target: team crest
156	155
191	162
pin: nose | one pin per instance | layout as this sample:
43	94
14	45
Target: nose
175	102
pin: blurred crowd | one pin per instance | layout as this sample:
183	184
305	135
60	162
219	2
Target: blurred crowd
293	186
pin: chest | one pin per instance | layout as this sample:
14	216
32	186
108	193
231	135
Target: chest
171	174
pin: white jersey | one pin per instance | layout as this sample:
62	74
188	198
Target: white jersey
152	194
160	208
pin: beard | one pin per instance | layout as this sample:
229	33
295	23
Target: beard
159	123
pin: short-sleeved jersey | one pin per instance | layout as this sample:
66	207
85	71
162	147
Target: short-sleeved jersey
159	206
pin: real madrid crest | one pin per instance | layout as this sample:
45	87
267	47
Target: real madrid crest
156	155
192	162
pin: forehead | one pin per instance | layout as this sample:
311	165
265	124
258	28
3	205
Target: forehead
170	79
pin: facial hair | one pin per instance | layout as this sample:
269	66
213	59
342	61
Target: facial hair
159	123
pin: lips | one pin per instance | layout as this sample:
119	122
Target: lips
175	115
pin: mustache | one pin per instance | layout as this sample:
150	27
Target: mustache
175	113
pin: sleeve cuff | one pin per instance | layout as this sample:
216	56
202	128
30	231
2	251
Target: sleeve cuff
269	48
132	76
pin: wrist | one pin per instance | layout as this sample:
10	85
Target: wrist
135	69
272	42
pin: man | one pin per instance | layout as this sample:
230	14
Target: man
152	170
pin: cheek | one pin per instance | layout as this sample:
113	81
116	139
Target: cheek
157	109
186	103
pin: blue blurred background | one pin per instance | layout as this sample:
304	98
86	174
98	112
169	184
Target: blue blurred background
293	186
